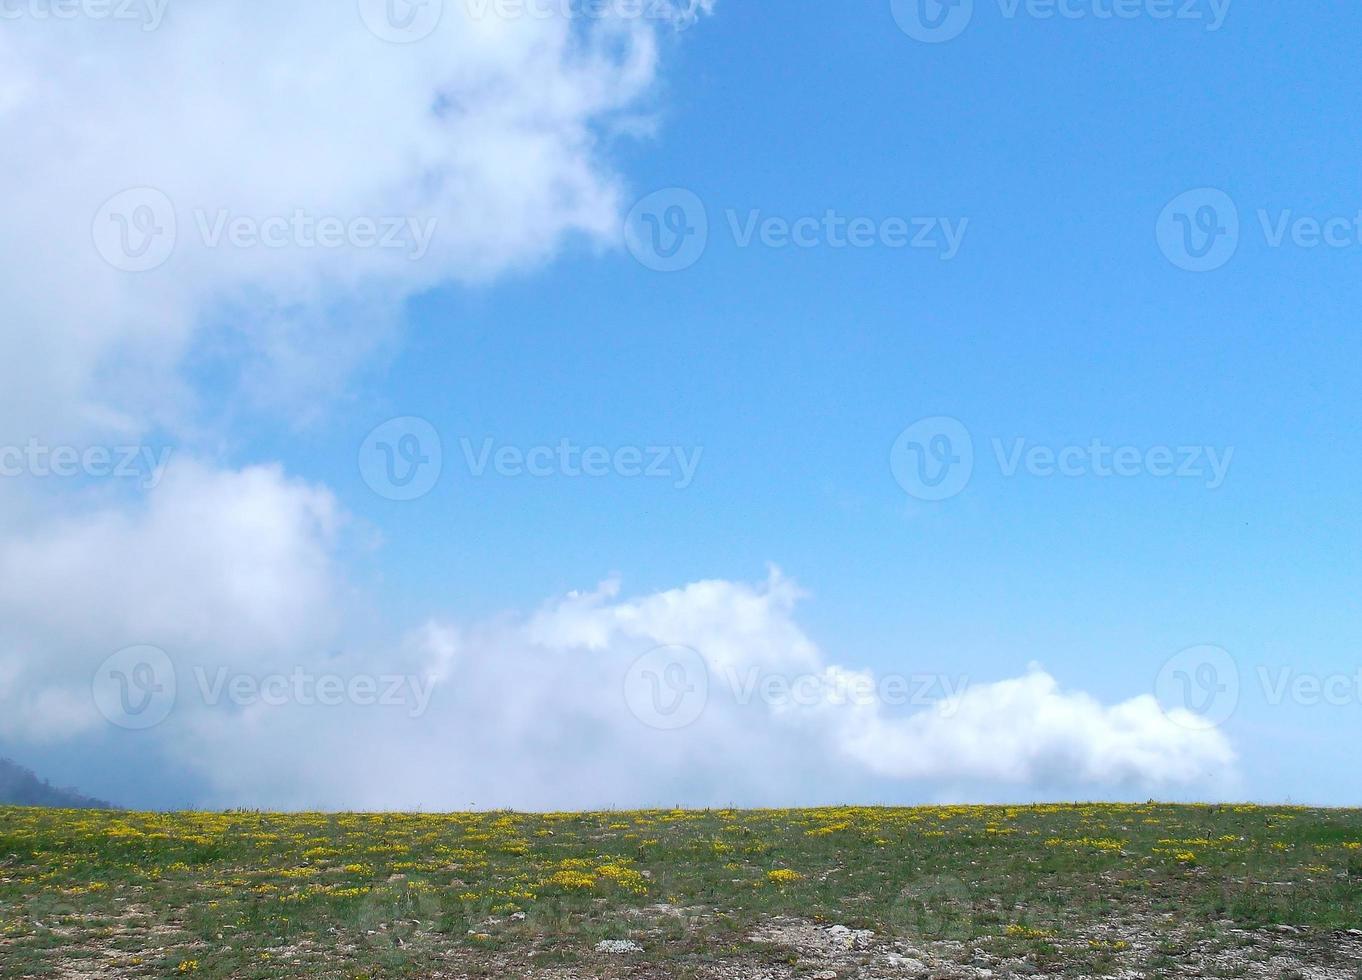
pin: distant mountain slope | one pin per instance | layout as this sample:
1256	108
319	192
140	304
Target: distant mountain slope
20	787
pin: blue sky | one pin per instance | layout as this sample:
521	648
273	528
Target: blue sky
1060	321
1054	145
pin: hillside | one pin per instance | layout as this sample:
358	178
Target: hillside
968	893
21	787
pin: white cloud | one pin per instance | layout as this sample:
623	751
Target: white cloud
491	127
236	566
492	130
1027	732
231	575
496	129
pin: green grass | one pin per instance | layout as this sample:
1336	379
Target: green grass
264	895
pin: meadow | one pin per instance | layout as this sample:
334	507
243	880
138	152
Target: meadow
1064	890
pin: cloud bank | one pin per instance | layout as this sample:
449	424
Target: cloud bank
706	694
167	193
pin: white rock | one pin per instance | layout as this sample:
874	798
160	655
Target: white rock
618	947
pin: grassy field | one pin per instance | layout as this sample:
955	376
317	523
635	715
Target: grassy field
937	891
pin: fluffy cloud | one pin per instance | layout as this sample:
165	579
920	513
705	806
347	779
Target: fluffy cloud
707	694
1027	732
487	139
486	134
236	566
166	180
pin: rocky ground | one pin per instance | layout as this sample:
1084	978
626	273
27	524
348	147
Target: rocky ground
790	947
1057	890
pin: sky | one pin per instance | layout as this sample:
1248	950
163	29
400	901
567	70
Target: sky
492	403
